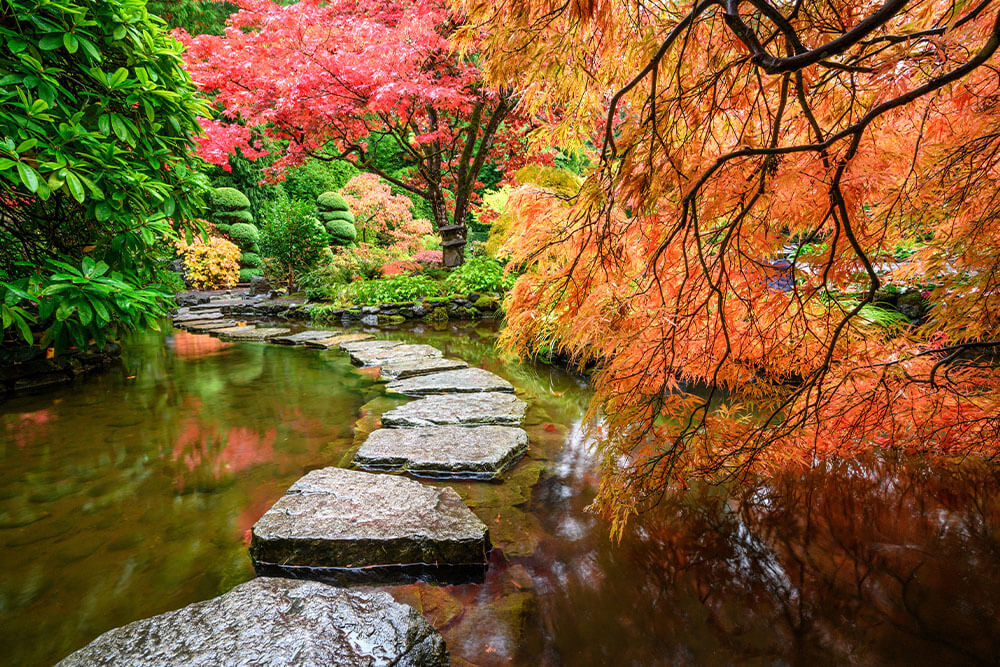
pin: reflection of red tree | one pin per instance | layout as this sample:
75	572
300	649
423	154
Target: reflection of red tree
29	427
200	446
193	346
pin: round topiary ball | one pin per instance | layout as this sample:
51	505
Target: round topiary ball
341	232
227	199
245	235
250	260
332	201
246	275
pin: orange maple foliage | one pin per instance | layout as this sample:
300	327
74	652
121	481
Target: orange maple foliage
726	135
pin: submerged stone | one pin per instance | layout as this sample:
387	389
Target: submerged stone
300	338
337	518
271	621
444	451
251	333
466	380
459	409
379	356
335	341
398	370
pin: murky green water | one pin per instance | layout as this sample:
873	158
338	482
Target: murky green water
132	493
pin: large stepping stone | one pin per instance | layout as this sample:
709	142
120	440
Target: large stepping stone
481	452
381	355
210	325
197	317
338	518
270	621
216	304
335	341
360	346
459	409
463	381
300	338
398	370
251	333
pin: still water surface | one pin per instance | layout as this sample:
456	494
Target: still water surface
132	493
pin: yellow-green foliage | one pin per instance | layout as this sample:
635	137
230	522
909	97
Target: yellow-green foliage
212	265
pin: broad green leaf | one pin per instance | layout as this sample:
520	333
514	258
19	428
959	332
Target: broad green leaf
50	42
71	42
75	187
28	176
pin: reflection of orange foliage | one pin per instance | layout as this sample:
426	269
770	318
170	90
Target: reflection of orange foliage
30	427
193	346
200	446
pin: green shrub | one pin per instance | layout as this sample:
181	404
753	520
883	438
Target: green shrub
232	217
250	260
331	201
228	199
341	232
315	177
479	274
244	235
333	216
246	275
292	242
391	290
223	227
95	103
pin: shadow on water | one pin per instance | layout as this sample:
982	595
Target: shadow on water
133	493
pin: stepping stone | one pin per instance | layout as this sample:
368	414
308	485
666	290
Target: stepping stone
459	409
215	304
361	345
463	381
251	333
211	325
181	318
481	452
300	338
270	621
335	341
398	370
349	519
379	356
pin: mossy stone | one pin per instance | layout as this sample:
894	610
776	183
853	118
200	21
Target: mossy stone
437	315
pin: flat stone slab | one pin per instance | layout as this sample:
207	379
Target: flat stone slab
335	341
482	452
210	325
362	345
215	304
382	355
405	368
300	338
197	317
459	409
270	621
463	381
251	333
350	519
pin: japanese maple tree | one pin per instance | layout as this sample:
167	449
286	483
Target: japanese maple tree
728	134
383	217
344	79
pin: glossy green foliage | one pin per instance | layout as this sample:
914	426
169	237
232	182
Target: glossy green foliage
97	119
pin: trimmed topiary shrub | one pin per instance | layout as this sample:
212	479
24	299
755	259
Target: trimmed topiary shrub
250	260
246	275
336	218
228	199
244	235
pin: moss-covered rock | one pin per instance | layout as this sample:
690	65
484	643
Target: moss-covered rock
486	302
438	314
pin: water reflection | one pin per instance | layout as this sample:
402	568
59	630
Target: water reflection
133	493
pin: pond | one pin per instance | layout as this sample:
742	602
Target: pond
133	493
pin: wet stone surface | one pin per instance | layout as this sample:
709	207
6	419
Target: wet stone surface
197	317
396	353
399	370
251	333
209	325
271	621
462	409
466	380
368	345
301	338
335	341
337	518
483	452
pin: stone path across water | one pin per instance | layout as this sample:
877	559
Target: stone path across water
464	424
